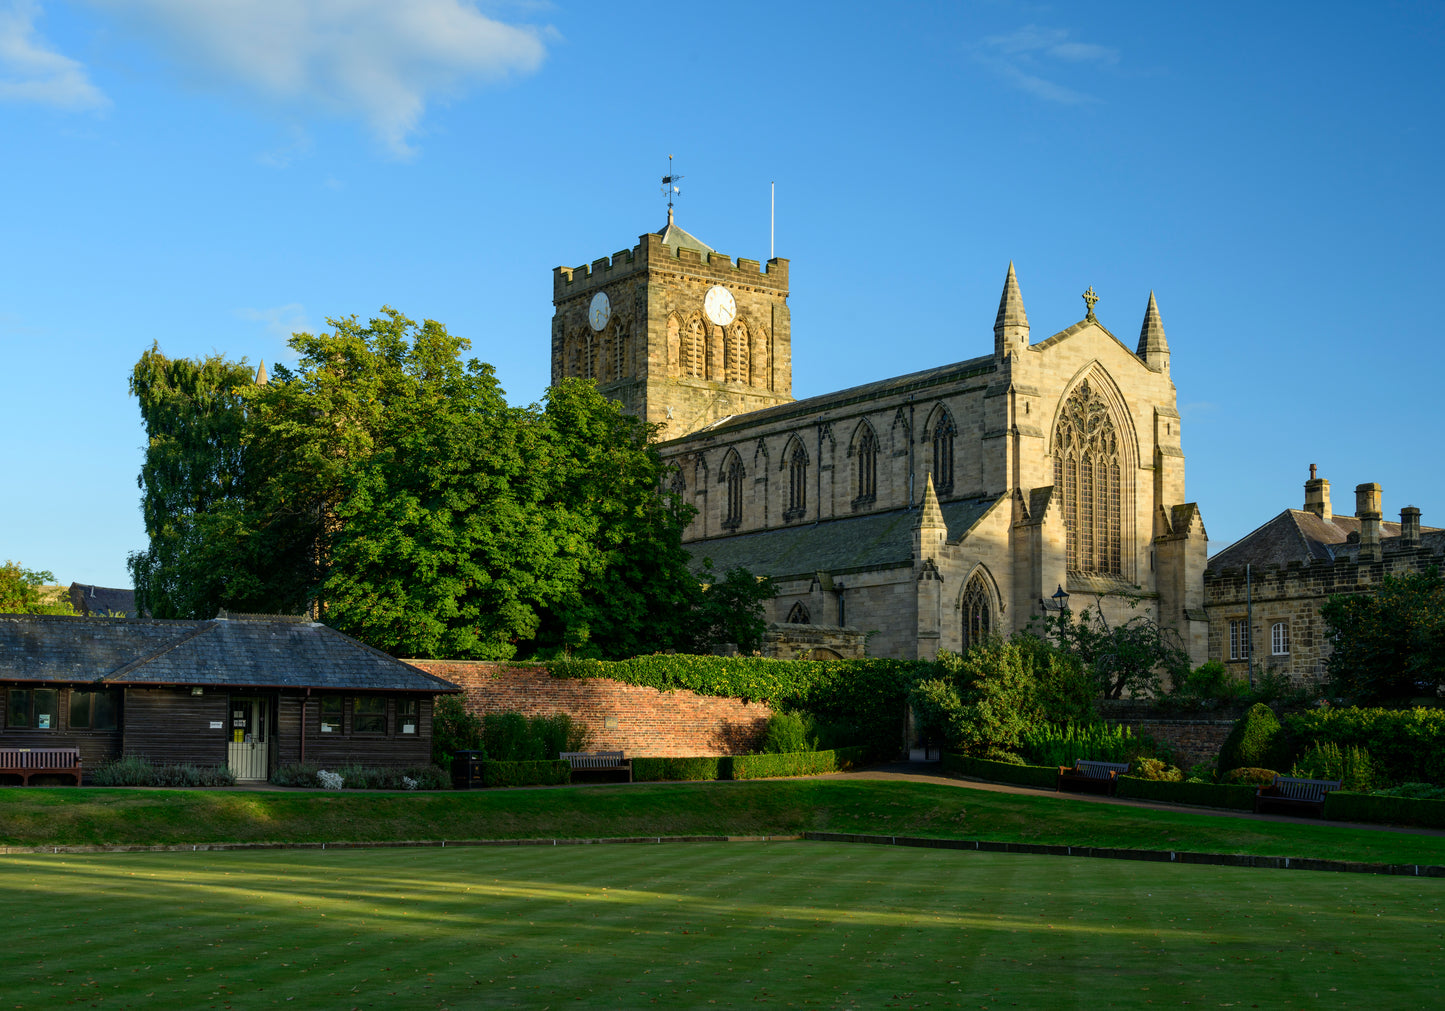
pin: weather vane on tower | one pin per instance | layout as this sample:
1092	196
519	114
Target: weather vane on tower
670	187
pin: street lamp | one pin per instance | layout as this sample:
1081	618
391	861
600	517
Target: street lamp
1060	600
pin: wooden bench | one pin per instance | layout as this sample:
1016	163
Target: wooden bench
1091	777
1290	795
598	761
27	762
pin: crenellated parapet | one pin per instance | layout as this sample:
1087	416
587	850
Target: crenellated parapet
652	252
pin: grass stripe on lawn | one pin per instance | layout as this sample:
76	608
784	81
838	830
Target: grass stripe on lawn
707	925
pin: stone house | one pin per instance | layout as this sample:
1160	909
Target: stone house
1264	592
922	510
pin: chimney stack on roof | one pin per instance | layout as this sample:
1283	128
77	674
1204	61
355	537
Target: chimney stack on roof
1367	511
1317	496
1410	527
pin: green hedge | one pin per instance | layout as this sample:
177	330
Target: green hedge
1002	772
1239	797
525	773
1343	806
1408	743
864	700
650	770
799	763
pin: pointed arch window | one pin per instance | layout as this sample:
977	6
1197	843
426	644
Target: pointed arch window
733	478
619	352
943	434
797	483
977	612
694	349
799	615
1087	473
866	466
737	370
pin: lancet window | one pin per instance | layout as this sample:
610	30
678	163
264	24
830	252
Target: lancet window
1087	474
797	482
619	352
737	369
976	607
943	433
733	477
589	357
694	349
866	465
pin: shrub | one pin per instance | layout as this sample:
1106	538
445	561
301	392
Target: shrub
296	774
1351	766
1341	805
1155	770
981	701
1407	745
356	777
136	771
806	763
789	733
647	770
1235	796
555	734
453	729
1250	776
1000	772
506	737
1414	791
1255	742
526	773
1065	745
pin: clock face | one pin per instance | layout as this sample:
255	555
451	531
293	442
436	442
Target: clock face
720	305
600	311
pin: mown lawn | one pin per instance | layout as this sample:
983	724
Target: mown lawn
779	807
705	925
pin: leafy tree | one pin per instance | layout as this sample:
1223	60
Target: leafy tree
453	729
22	591
981	702
1128	657
1388	645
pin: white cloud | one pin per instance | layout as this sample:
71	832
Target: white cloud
1024	57
382	60
32	72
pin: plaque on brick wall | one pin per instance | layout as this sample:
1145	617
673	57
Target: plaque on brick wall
609	723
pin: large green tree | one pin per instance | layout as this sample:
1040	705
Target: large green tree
26	591
1389	645
1130	656
385	482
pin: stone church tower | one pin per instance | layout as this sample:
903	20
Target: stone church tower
675	331
922	511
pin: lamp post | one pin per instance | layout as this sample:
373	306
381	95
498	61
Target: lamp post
1060	598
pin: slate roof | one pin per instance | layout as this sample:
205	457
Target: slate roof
274	653
850	544
679	238
855	394
1296	535
102	601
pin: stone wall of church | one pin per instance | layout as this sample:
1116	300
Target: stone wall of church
1293	596
619	717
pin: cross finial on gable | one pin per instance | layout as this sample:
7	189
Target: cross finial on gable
1089	300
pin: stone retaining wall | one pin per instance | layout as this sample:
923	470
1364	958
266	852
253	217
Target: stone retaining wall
619	717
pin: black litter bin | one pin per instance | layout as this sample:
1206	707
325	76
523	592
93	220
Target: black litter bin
467	770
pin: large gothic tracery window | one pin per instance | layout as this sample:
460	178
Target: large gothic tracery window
1087	478
977	621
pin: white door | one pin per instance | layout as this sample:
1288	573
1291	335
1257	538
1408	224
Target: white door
248	750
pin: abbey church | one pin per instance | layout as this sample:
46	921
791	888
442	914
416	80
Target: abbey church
922	511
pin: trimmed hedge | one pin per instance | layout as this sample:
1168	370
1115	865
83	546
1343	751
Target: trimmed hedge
651	770
526	773
1238	797
1046	776
798	763
1343	806
864	700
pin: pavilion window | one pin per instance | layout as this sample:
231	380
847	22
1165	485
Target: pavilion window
368	714
94	710
33	709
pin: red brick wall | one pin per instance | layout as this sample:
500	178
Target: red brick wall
648	722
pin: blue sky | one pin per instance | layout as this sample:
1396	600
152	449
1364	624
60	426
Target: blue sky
214	175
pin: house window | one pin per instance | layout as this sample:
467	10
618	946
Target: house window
797	484
408	716
1239	640
1279	638
94	710
733	475
1087	478
368	714
34	709
331	714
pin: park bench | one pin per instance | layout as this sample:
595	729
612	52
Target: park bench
1091	777
598	761
1290	795
27	762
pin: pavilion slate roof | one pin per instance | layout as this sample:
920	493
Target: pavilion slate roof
853	543
1297	535
243	653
